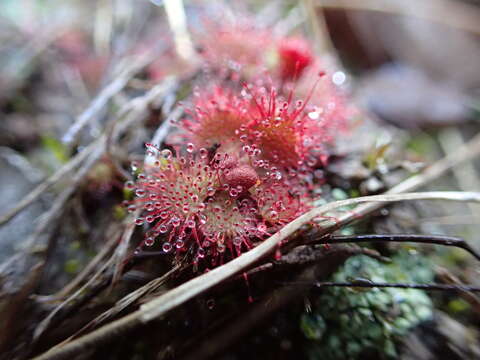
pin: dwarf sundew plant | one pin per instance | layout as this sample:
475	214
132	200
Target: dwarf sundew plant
251	151
237	44
212	204
282	131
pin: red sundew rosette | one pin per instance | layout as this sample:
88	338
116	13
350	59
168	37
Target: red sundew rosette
215	117
294	56
239	45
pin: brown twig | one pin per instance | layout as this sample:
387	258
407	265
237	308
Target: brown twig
99	102
403	238
126	301
365	283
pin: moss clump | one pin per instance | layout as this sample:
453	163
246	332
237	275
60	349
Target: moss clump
351	323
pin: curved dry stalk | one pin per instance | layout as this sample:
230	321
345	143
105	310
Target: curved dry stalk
107	93
454	14
128	300
181	294
45	322
73	163
413	238
58	204
365	283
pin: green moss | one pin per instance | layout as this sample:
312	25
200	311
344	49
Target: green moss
348	322
458	305
72	266
119	212
56	148
421	144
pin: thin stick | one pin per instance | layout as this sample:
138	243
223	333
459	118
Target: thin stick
106	94
181	294
365	283
126	301
53	213
177	20
53	179
45	322
423	239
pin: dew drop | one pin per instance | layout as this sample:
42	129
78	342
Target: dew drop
203	219
179	243
139	221
131	208
273	215
339	78
276	175
246	148
150	219
149	206
149	241
210	304
203	153
278	254
166	154
190	148
175	221
314	115
129	185
140	193
134	166
262	227
163	228
166	247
